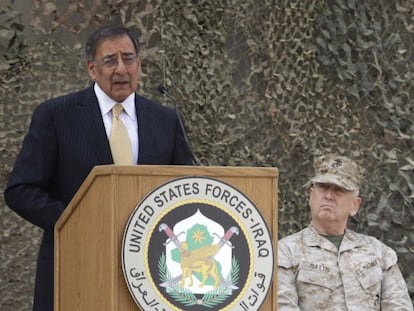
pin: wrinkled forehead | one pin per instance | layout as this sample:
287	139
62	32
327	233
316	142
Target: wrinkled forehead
115	45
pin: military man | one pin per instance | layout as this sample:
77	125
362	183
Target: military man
329	267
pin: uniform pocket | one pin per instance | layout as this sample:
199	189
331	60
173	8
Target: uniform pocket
315	278
318	273
369	273
316	283
370	276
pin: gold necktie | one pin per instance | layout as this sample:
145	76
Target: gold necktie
119	140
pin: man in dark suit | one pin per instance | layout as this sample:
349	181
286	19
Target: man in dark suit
69	135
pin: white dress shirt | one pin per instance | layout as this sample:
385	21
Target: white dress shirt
128	117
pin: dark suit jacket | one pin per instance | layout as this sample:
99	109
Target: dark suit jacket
66	139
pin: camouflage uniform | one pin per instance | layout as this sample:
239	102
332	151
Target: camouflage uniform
362	276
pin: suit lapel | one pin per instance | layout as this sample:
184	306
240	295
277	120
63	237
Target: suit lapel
146	122
91	119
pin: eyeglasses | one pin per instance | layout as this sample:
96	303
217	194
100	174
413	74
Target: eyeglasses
111	62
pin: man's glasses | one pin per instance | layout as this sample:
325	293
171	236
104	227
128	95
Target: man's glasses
112	62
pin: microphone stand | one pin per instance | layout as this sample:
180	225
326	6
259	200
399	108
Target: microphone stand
163	90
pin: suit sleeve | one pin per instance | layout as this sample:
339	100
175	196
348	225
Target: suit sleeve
31	180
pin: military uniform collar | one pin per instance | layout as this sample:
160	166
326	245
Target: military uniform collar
351	240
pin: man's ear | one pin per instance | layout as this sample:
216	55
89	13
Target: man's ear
139	60
91	70
356	203
310	195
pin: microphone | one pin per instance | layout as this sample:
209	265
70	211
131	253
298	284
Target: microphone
163	90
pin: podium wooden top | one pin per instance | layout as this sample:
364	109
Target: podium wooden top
174	170
162	170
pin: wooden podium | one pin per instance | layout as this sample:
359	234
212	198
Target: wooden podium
88	235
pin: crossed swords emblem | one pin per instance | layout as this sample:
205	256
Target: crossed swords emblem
172	237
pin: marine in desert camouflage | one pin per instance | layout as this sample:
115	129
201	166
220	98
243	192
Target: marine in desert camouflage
329	267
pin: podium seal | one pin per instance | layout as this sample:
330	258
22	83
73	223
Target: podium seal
197	243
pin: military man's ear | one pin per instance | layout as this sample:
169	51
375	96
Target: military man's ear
356	203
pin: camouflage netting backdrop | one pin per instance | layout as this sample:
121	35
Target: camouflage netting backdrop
259	83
